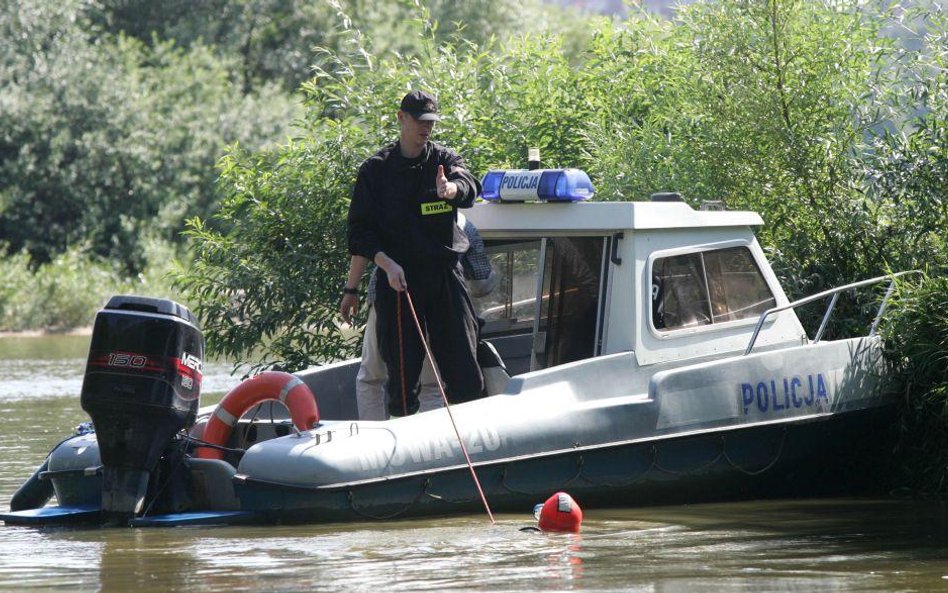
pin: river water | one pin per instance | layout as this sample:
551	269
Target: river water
781	545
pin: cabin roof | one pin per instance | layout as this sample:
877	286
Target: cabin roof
601	216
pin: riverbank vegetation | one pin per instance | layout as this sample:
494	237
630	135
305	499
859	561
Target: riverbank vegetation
828	118
916	334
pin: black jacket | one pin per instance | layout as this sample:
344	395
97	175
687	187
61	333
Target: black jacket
395	206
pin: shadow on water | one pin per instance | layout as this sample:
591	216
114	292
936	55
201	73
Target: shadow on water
865	524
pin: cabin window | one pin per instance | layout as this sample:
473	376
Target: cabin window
560	326
511	307
707	287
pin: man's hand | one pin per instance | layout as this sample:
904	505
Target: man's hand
396	277
349	307
395	273
447	190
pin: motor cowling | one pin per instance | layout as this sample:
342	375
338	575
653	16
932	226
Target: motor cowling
141	386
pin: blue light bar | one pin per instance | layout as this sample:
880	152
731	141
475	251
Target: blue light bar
545	185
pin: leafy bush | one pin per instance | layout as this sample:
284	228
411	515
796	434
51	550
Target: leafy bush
916	335
65	293
270	285
907	170
61	294
271	40
103	138
762	105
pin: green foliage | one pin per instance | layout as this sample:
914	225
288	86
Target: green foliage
59	295
906	175
775	107
272	281
114	112
102	138
916	334
66	292
907	170
272	39
268	40
267	285
757	104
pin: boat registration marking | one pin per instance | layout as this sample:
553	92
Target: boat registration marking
426	450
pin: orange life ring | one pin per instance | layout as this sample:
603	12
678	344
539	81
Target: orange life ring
268	385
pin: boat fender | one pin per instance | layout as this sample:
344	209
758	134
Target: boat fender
268	385
560	513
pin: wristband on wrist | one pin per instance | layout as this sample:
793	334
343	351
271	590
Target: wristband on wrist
347	290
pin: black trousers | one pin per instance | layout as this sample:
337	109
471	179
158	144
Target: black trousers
446	314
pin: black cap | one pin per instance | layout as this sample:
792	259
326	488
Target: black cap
421	106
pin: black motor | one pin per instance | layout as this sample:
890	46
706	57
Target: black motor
142	385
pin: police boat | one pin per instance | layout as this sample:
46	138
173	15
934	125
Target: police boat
634	353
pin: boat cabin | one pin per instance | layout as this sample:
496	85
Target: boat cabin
659	279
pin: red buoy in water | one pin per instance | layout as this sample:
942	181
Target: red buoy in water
560	513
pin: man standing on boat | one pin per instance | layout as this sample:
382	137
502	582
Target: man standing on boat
403	218
372	376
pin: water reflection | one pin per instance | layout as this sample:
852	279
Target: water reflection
567	564
419	556
134	560
820	545
52	367
49	348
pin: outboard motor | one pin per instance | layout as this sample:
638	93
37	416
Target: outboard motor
141	386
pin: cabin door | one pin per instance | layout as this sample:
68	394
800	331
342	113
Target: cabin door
546	306
568	327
